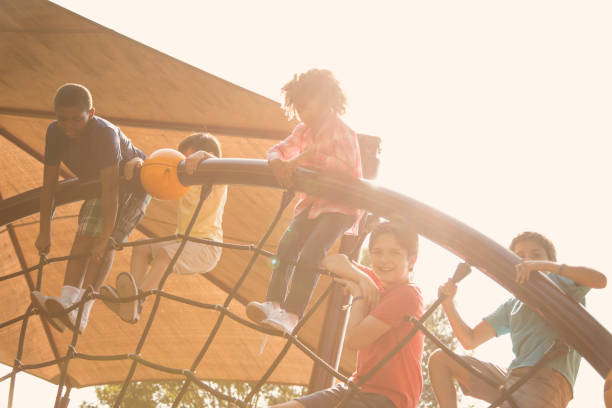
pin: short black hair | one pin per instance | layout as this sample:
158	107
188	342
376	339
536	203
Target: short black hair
406	236
201	141
73	95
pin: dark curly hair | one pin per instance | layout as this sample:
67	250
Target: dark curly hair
319	84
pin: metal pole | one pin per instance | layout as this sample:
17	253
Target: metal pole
334	324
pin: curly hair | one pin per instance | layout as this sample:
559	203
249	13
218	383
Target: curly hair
548	246
319	84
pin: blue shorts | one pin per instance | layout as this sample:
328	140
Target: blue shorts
330	397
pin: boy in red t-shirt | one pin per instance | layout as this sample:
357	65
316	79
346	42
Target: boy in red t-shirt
381	299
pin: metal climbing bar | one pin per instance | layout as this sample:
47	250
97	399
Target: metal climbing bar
585	334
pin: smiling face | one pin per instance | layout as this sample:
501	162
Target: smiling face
531	250
72	120
390	261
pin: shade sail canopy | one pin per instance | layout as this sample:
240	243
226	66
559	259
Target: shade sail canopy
156	100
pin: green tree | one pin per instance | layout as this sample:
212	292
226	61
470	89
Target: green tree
438	325
146	394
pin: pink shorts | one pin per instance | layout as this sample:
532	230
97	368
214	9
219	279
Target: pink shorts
195	257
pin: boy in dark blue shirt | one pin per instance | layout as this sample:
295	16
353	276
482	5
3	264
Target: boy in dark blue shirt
92	148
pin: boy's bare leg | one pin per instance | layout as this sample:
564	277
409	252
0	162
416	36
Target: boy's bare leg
76	266
84	270
141	258
158	268
97	271
442	371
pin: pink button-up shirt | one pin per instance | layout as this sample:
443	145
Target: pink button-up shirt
336	149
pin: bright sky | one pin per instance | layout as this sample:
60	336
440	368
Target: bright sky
496	113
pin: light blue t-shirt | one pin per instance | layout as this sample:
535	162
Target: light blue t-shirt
531	336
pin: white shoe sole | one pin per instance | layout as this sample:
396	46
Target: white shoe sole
256	312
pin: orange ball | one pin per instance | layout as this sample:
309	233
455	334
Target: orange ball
608	390
159	175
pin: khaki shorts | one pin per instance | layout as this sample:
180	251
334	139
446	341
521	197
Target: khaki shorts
195	257
546	389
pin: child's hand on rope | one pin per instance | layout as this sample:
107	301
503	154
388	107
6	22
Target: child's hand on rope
448	290
130	166
193	160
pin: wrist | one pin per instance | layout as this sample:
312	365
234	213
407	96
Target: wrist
448	303
560	269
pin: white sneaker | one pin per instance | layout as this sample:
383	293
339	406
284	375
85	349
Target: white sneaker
57	307
39	300
257	311
282	320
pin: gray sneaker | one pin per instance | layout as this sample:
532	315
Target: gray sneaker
126	287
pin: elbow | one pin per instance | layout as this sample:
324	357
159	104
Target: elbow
467	343
602	282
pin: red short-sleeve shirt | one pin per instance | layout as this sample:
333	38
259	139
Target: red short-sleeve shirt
400	379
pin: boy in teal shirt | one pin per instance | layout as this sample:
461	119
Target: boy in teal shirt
530	334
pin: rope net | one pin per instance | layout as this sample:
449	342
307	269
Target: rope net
189	374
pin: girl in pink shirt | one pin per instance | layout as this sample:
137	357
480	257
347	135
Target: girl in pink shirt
322	141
